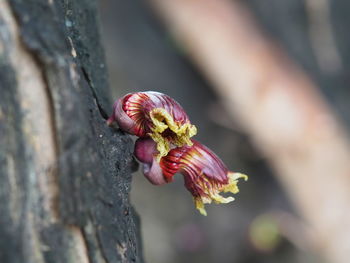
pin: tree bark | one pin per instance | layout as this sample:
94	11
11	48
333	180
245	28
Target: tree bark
65	176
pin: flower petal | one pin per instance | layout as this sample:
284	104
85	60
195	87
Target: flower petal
145	151
155	115
204	173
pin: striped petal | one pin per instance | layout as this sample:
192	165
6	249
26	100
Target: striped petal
205	175
155	115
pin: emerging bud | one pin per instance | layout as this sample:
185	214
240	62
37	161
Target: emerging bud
146	152
204	173
155	115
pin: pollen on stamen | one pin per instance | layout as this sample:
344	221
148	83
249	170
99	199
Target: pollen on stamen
206	177
155	115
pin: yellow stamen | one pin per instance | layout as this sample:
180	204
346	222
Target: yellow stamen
215	196
233	180
162	120
222	200
163	145
200	205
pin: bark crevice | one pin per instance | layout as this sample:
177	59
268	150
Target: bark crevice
60	158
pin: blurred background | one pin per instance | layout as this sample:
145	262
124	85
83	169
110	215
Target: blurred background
266	84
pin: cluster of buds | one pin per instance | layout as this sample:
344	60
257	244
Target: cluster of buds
165	147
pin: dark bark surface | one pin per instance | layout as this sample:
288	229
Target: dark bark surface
71	204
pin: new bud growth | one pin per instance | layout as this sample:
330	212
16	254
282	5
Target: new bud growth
205	175
155	115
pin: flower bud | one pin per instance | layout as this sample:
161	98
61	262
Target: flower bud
155	115
146	152
204	173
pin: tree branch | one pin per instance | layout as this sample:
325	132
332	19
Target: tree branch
65	175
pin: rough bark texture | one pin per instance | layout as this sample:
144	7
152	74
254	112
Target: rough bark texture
65	176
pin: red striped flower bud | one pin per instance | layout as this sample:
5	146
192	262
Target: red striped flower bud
146	152
204	173
155	115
